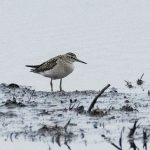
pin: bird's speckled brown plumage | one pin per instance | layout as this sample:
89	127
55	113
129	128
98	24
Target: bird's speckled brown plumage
48	65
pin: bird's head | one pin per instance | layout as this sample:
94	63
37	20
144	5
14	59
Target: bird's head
71	57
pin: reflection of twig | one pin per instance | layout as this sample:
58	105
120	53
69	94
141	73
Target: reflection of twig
95	99
131	134
148	92
120	140
132	144
57	139
145	138
66	143
112	143
49	148
65	127
53	138
132	130
11	137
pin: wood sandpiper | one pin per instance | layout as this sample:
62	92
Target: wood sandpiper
57	67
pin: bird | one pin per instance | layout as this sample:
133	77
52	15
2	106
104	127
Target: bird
57	67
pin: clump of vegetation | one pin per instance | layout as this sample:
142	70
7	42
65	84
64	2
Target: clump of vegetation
129	84
13	103
58	133
127	107
13	85
99	112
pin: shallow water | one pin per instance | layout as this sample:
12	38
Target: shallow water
40	145
41	120
111	36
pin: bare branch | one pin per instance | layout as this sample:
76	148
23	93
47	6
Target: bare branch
142	76
95	99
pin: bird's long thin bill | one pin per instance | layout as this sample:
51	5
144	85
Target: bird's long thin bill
81	61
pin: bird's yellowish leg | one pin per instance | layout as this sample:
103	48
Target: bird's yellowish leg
51	84
60	86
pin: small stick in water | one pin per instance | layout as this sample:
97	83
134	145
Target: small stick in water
129	84
95	99
140	81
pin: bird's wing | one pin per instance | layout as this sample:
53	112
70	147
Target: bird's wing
48	65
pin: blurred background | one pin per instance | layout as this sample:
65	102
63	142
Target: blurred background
113	37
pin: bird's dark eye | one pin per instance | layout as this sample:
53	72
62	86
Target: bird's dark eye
72	57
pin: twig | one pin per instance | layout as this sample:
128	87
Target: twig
142	76
140	81
95	99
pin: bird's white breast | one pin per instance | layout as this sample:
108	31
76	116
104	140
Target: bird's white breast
59	71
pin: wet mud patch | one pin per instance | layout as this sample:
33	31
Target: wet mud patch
62	118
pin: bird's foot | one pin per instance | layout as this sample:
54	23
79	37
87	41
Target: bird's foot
61	91
51	91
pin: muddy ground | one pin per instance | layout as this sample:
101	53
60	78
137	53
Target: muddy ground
60	120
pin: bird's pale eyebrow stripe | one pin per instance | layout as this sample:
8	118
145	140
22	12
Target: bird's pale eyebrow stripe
71	54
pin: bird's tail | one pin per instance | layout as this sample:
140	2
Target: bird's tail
32	66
